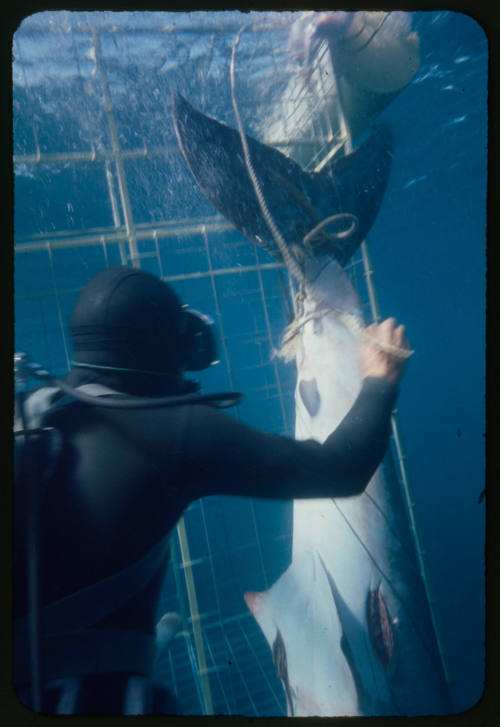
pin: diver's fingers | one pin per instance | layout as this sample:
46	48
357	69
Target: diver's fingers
383	331
400	338
387	325
388	332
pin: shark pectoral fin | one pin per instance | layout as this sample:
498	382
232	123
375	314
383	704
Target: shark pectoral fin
261	608
253	601
256	602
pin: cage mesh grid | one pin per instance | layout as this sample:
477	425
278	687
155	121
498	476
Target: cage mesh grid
243	679
119	142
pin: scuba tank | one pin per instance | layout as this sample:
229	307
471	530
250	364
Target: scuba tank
36	454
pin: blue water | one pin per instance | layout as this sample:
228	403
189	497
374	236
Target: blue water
428	247
429	251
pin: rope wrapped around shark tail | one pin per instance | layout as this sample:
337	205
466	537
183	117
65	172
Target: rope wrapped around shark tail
288	346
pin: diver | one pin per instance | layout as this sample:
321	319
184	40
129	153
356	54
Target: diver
124	476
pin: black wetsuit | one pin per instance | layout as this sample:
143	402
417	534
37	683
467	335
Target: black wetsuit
125	477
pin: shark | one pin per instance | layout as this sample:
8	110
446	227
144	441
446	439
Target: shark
375	54
348	623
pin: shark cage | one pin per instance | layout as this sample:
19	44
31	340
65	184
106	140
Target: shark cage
99	181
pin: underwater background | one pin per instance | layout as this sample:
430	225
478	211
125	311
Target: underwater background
87	82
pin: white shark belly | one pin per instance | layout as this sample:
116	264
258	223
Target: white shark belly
349	617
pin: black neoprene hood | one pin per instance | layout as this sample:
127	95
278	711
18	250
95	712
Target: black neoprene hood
128	318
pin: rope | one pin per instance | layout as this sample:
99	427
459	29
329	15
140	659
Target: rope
351	323
288	259
333	218
349	320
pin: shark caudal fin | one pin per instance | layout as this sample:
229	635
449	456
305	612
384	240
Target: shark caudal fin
297	200
214	155
359	180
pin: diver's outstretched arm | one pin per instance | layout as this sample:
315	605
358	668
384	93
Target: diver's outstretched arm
224	456
228	457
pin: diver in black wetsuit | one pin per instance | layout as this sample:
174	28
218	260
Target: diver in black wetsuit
124	477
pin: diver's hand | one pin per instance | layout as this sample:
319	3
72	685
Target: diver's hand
379	362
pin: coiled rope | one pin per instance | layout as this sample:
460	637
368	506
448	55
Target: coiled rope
348	319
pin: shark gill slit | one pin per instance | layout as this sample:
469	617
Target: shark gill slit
380	626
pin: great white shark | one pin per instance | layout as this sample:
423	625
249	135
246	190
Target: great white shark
348	623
